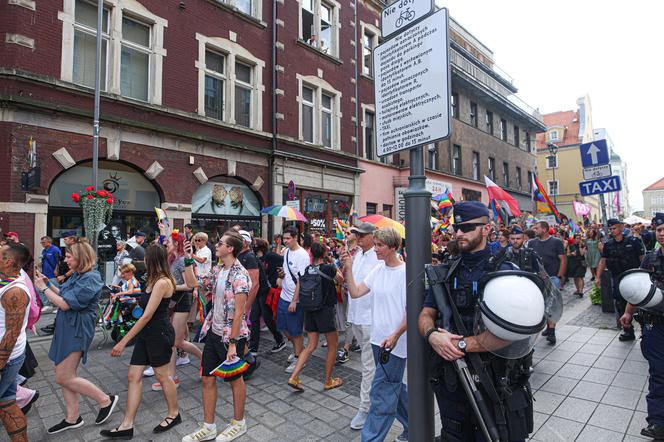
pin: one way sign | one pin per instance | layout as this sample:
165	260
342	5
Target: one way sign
602	185
594	153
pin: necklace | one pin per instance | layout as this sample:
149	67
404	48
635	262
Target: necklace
6	281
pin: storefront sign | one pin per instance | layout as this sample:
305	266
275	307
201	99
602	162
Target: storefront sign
294	204
225	196
400	203
436	187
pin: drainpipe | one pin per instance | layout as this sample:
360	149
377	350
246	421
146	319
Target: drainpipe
271	178
357	97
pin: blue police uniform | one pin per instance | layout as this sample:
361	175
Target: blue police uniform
622	256
457	418
652	347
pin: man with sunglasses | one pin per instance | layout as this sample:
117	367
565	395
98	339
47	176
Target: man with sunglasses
620	253
471	231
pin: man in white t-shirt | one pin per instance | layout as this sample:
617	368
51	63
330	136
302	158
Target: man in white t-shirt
14	311
359	316
387	285
290	316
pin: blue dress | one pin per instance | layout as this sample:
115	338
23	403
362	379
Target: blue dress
75	328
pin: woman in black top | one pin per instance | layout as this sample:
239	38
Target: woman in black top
154	345
320	321
576	265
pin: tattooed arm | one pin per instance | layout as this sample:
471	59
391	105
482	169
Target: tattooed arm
14	301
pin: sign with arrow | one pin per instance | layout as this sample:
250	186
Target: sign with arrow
602	185
594	153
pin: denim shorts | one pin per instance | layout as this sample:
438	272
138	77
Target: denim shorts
291	323
8	378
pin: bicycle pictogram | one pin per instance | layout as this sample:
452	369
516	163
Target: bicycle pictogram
405	16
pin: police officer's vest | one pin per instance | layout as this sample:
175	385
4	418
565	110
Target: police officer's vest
525	259
623	255
655	260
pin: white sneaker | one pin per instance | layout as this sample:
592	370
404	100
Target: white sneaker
202	434
291	367
291	357
148	372
182	361
232	431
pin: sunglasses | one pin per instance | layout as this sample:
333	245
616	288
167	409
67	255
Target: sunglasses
466	228
198	240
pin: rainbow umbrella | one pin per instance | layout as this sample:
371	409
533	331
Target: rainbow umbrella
286	212
381	221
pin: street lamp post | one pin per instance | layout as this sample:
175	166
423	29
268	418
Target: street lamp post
553	150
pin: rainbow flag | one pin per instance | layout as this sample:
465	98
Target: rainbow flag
540	196
573	227
340	229
228	369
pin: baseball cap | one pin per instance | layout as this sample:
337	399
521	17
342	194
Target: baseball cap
246	236
364	227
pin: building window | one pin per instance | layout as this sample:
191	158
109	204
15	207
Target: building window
519	183
132	48
506	174
371	208
476	165
517	141
503	129
319	112
85	45
552	162
473	114
318	25
454	103
553	135
489	122
230	83
492	169
531	181
369	42
369	135
215	79
387	210
553	188
528	142
432	158
456	159
249	7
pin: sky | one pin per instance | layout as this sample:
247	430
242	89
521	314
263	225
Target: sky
558	51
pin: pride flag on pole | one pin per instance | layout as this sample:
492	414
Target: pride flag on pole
540	196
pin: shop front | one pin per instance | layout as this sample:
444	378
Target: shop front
223	202
135	200
320	208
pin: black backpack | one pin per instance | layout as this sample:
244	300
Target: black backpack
311	289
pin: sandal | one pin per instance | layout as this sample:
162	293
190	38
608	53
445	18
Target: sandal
170	423
296	384
334	383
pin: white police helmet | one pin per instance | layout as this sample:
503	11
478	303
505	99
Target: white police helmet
638	288
511	312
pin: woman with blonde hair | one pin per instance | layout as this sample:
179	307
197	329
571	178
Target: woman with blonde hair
76	300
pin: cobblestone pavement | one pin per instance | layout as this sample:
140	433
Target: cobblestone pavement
588	386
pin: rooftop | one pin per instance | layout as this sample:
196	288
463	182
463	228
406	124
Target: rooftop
568	121
658	185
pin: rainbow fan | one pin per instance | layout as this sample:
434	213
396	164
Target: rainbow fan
228	369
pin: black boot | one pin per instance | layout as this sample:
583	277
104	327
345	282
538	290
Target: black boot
551	337
546	331
653	431
627	335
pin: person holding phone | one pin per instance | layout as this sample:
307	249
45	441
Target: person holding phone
387	285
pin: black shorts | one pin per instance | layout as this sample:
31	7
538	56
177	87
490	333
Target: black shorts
215	352
321	320
154	348
182	302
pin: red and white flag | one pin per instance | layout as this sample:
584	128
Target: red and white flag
498	194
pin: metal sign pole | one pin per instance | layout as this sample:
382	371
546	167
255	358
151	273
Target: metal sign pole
418	254
95	124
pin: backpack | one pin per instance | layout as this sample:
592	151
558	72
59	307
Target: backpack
311	289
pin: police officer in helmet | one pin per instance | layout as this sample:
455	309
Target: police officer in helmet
620	253
652	343
524	258
463	274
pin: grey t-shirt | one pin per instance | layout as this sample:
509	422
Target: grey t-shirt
549	250
177	269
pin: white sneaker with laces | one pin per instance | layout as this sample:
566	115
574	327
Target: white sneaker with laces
202	434
291	366
148	372
182	361
234	430
291	357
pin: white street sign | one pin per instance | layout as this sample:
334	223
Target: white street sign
402	13
591	173
412	86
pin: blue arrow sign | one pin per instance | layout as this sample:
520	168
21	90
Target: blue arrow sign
594	153
602	185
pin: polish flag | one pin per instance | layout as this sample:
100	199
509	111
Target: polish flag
498	194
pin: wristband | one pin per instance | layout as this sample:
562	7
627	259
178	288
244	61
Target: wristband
48	284
188	262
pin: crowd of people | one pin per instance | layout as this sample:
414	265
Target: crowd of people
297	286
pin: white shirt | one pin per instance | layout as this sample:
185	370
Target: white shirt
19	347
388	288
296	261
203	268
359	309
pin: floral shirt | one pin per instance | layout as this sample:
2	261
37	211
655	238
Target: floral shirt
220	319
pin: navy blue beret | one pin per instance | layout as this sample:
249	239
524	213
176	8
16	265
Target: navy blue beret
467	210
658	220
516	230
613	222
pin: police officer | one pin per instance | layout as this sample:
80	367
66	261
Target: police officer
620	253
652	343
524	258
471	227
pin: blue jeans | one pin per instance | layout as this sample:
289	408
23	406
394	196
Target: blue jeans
8	378
652	347
389	398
